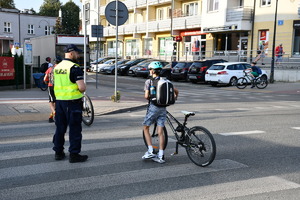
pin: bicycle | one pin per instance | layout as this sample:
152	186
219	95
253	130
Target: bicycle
260	82
87	110
198	141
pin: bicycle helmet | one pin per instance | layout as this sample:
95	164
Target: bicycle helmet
156	65
48	59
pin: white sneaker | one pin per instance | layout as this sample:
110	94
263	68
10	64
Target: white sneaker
148	155
159	159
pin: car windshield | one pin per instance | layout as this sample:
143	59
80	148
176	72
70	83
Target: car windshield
109	61
217	67
180	65
197	64
133	61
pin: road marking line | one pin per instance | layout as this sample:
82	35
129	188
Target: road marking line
242	133
297	128
51	189
225	190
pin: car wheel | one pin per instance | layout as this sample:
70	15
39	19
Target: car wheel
193	81
232	81
214	84
113	71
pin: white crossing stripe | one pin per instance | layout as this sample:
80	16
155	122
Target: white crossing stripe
102	181
226	190
297	128
242	133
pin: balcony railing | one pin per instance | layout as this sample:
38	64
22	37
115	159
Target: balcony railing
238	14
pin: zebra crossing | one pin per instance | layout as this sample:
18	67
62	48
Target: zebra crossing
115	171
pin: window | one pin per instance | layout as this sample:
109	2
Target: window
265	2
30	29
7	27
47	30
213	5
191	9
169	12
148	46
160	14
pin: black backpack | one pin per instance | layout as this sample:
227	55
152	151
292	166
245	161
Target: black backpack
164	94
44	67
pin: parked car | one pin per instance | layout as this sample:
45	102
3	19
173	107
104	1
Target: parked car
166	70
123	69
99	61
110	69
106	63
198	69
180	70
143	70
131	71
227	73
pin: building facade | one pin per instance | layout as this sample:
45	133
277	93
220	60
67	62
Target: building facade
232	29
17	26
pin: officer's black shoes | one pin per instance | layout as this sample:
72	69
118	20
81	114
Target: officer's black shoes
60	155
75	157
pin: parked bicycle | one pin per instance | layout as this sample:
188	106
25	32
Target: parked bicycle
198	141
87	111
260	82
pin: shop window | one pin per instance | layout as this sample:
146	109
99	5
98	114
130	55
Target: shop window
131	48
296	46
111	48
30	29
165	46
7	27
213	5
148	46
265	2
191	9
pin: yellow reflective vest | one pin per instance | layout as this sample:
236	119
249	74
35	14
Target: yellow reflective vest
64	89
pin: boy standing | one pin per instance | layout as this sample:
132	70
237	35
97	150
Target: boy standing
155	114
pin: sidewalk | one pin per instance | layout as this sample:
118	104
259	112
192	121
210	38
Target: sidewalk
13	111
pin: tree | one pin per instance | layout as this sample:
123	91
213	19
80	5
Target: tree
7	4
50	8
70	18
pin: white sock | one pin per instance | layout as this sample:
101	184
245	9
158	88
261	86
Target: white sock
160	153
150	149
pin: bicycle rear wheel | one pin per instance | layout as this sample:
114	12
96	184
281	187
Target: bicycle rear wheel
42	84
87	111
201	146
261	83
241	83
155	138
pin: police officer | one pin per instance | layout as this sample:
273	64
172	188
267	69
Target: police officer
68	87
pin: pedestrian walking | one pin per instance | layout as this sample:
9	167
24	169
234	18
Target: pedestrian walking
154	114
49	79
279	53
68	87
261	52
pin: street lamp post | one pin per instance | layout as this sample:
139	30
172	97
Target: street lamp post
273	46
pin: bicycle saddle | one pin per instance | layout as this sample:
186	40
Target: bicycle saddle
188	113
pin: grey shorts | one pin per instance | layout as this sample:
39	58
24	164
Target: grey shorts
155	114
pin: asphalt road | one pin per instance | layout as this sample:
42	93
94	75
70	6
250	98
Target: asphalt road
256	132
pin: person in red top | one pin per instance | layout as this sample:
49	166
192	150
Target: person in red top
279	53
50	81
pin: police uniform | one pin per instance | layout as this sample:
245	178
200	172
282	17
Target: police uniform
68	106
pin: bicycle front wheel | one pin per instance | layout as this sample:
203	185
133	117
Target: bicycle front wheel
241	83
261	83
42	84
87	111
155	138
201	146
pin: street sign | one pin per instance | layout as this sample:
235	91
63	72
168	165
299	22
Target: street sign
97	31
110	13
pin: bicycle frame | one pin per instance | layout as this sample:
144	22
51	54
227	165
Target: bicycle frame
181	127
